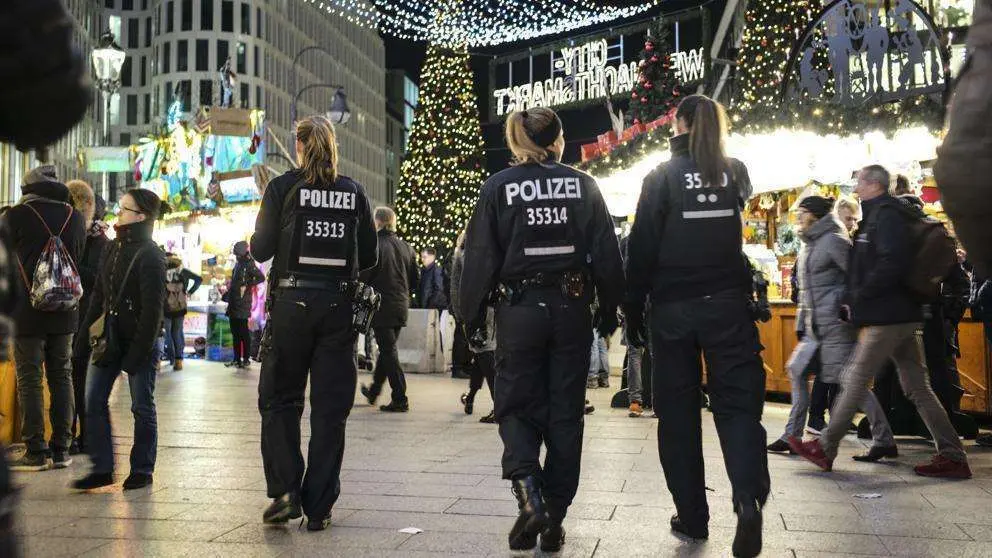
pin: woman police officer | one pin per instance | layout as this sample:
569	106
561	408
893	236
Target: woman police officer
317	225
685	252
541	233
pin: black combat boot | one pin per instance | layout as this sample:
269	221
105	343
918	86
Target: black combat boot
532	519
553	537
747	542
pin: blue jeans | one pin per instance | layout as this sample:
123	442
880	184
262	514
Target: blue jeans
599	358
175	338
99	443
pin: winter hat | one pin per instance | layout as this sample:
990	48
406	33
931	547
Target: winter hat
817	205
43	173
241	248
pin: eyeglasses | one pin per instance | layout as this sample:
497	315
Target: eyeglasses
124	208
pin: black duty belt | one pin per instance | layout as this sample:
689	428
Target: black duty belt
320	285
571	283
538	280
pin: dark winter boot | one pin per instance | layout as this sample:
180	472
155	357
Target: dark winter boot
532	519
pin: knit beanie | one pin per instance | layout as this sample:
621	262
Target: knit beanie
817	205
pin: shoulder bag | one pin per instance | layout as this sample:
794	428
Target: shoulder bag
104	326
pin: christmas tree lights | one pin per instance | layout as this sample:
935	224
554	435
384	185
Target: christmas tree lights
658	89
442	173
477	22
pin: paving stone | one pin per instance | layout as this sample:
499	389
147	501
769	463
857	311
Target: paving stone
176	549
144	529
58	547
439	470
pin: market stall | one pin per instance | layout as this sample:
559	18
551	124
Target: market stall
810	114
210	168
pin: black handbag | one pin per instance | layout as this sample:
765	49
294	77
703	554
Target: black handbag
105	326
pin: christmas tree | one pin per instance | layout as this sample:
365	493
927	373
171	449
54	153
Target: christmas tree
442	173
658	89
771	28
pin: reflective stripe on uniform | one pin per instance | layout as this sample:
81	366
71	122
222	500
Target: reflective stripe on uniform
709	214
549	251
332	262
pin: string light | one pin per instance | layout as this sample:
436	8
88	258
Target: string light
477	23
442	173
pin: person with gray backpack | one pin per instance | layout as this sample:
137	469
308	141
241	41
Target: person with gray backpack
48	237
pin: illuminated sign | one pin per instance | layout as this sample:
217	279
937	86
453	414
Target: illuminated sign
579	72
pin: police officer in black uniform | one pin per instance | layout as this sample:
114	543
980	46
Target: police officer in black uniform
318	227
542	235
685	252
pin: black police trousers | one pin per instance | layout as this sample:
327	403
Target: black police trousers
720	329
542	360
312	335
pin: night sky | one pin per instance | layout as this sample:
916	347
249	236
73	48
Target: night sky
582	125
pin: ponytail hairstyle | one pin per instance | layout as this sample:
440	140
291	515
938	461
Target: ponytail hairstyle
529	134
149	203
319	159
707	124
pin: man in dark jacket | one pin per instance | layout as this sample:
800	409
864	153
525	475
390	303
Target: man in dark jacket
431	293
43	343
890	319
394	278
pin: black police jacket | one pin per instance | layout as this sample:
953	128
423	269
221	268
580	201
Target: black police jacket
539	218
326	233
881	258
686	241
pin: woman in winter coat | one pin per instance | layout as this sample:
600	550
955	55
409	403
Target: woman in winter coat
484	365
822	274
130	294
93	209
239	299
178	289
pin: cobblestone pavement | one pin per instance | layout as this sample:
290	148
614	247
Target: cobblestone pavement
438	470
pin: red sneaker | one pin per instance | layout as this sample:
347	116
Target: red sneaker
943	468
813	452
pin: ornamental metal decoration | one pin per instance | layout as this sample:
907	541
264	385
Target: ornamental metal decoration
854	55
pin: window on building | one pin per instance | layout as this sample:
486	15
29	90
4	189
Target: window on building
166	57
125	138
257	62
132	111
186	94
126	72
148	32
202	55
186	15
144	4
127	5
245	19
206	92
222	53
242	62
182	56
245	101
144	70
207	15
109	3
258	96
132	32
170	17
227	16
148	108
258	22
169	94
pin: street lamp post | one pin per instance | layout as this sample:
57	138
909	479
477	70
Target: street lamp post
339	112
108	59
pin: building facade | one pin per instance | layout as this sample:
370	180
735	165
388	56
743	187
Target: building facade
175	48
401	101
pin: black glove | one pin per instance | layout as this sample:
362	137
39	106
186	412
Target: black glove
636	332
477	333
800	335
606	321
